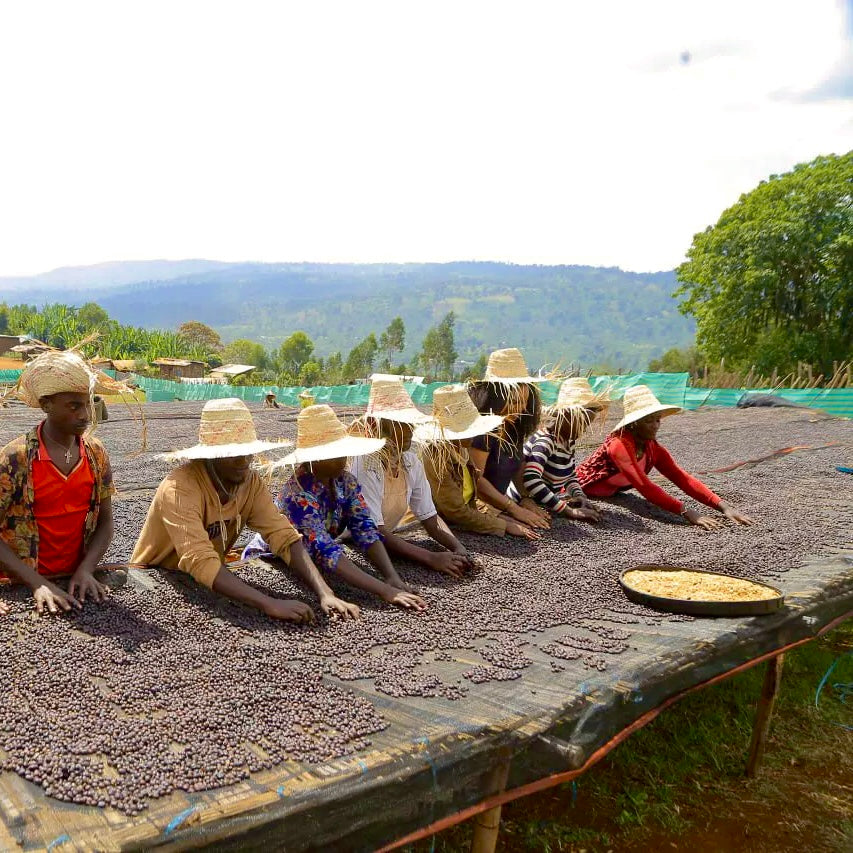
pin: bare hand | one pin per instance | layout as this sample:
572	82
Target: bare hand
335	608
706	522
449	564
583	513
529	517
4	608
83	584
463	552
513	528
288	611
737	517
51	596
408	600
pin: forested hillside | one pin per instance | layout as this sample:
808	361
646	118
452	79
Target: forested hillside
599	316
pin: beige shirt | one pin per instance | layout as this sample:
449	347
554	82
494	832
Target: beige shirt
190	529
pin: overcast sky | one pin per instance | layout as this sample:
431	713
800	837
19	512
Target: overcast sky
533	132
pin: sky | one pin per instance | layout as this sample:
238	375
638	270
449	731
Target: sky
534	133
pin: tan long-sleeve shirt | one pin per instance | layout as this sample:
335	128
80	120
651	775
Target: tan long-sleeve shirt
190	529
447	495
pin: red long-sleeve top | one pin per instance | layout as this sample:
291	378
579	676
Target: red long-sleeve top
614	466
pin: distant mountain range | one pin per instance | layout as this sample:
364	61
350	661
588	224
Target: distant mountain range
600	316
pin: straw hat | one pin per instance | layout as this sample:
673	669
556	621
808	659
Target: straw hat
508	365
321	435
58	372
638	402
226	429
456	417
577	393
390	401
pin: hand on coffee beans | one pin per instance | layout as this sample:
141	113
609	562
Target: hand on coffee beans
337	608
733	515
4	608
585	513
408	600
466	555
706	522
513	528
288	611
83	584
51	596
448	563
529	517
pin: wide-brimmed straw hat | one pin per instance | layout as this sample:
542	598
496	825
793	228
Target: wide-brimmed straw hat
390	401
321	435
577	393
638	402
509	366
456	417
226	429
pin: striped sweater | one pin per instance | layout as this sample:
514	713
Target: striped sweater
548	474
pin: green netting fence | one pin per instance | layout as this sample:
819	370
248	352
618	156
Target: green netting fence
671	388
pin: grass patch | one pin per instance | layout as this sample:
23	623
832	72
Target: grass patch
679	783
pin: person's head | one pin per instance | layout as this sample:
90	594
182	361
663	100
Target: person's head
518	404
397	435
68	413
232	470
646	429
570	424
326	469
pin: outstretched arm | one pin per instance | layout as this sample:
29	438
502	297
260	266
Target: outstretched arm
231	586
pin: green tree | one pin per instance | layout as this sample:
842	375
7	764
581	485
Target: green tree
311	373
438	351
359	363
679	360
772	282
200	335
243	351
333	373
476	370
91	317
5	328
293	354
393	339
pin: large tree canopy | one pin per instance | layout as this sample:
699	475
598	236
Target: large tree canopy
771	283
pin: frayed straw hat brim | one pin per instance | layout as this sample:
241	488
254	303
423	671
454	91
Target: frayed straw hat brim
435	432
403	416
516	380
338	449
664	411
225	451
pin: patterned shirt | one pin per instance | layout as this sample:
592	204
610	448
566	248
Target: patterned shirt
548	472
321	517
18	526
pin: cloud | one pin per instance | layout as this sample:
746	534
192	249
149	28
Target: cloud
836	86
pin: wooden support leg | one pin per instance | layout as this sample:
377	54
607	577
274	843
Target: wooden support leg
772	679
487	824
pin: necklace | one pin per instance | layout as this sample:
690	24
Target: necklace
67	450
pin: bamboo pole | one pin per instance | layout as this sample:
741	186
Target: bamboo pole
487	824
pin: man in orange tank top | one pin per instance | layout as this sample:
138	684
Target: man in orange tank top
56	488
